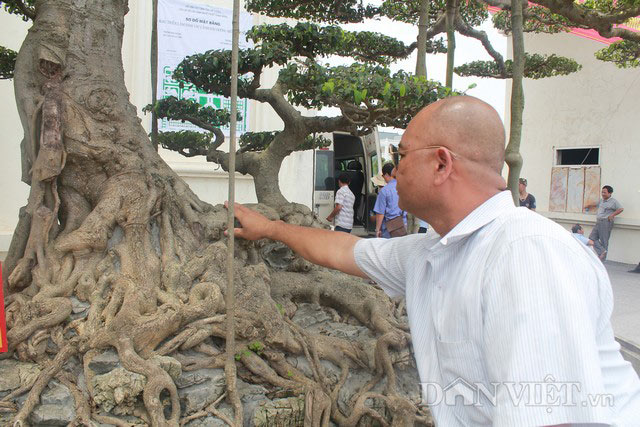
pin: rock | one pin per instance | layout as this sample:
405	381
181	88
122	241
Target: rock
189	378
129	420
52	415
57	407
277	255
288	412
56	394
355	381
13	374
208	421
78	306
309	315
105	362
251	396
330	371
200	388
117	390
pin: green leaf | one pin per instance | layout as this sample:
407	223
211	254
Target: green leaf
403	90
328	87
387	88
357	96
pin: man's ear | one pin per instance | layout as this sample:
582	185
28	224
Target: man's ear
444	165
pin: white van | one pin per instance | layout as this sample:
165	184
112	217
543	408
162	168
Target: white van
360	157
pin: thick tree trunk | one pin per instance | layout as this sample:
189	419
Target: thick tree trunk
513	157
109	225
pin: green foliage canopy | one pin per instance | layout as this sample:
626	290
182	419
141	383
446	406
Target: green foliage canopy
7	62
473	12
537	20
188	109
24	8
536	67
330	11
624	54
362	91
311	41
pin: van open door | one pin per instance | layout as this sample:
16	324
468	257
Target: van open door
324	183
373	166
359	158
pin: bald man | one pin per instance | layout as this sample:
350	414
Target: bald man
506	309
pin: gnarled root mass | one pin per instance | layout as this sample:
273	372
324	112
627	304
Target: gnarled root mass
116	279
157	300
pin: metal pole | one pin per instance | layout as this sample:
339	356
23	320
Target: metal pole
230	364
154	74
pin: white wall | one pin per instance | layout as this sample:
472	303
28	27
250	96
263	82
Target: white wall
296	174
13	193
597	106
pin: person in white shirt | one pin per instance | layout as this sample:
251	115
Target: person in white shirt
506	309
343	211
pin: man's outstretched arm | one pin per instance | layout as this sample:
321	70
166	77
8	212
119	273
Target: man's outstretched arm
322	247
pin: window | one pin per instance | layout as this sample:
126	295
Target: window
575	180
324	171
578	156
374	165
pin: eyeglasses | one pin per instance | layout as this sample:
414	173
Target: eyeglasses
403	153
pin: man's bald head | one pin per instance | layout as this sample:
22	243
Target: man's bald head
468	126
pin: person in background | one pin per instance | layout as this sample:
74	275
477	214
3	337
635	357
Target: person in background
343	211
527	200
578	233
378	182
386	207
608	209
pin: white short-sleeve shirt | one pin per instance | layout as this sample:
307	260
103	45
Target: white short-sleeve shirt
510	321
346	199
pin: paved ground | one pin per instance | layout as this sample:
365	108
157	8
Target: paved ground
626	309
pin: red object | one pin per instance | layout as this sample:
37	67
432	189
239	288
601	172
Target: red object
3	325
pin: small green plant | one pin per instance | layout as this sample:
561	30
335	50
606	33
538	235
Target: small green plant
289	374
256	347
280	308
243	353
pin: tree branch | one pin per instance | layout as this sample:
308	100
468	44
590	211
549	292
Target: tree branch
468	31
276	99
504	5
601	22
29	13
327	124
440	26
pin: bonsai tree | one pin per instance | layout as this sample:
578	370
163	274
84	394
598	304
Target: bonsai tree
367	93
115	270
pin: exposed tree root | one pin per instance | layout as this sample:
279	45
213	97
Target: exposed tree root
122	318
115	252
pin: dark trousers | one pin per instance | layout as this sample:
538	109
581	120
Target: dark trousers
344	230
601	233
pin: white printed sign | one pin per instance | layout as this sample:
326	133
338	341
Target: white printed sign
186	28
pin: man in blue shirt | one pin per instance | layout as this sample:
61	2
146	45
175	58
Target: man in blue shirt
386	207
578	233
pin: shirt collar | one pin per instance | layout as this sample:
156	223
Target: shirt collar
480	216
